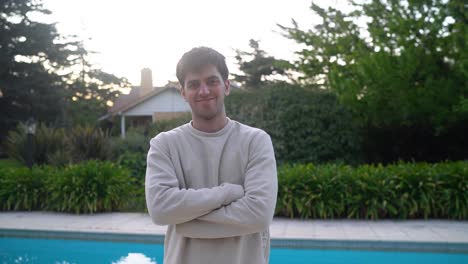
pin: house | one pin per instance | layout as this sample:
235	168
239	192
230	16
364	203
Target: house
145	103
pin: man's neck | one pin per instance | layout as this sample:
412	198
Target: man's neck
210	126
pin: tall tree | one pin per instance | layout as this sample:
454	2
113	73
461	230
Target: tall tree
31	54
38	68
396	63
407	63
257	66
90	91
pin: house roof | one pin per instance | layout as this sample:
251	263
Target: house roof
127	101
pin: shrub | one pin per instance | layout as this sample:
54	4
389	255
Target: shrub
130	153
134	142
305	125
23	188
90	187
9	163
404	190
166	125
89	143
47	143
58	147
136	163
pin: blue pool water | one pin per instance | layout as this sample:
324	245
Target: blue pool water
22	250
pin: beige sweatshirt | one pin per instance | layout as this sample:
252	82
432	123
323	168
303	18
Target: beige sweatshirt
216	191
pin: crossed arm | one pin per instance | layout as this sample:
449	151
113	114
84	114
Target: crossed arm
167	203
223	211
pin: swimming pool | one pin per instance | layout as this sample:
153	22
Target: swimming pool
33	250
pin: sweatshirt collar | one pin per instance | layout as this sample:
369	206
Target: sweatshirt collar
218	133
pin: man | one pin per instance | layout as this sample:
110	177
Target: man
213	180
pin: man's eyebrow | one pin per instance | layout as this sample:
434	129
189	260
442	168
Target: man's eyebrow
193	81
213	77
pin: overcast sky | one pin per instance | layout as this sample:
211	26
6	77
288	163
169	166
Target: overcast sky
131	35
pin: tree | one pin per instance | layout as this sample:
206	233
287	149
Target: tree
400	65
90	92
38	75
257	66
31	52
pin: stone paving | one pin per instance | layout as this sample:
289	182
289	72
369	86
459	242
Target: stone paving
440	231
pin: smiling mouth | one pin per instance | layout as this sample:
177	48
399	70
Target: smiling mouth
205	99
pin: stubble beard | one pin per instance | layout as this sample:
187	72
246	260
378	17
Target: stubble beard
207	115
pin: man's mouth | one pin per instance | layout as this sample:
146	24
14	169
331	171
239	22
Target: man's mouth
204	99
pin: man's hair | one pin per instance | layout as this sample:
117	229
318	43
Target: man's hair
198	58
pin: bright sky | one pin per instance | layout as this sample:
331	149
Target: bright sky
131	35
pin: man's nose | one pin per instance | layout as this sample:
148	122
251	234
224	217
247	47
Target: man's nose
204	90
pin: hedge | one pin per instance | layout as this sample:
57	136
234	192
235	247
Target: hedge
22	188
88	187
305	125
399	191
403	190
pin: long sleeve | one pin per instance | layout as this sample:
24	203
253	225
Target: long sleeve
169	204
253	212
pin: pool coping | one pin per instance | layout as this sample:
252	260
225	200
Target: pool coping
296	243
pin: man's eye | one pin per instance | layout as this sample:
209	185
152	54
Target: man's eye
192	85
213	81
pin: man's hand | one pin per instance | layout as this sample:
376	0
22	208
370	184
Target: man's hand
234	192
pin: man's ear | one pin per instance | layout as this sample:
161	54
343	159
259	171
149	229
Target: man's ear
227	88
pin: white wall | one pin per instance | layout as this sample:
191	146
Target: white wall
168	101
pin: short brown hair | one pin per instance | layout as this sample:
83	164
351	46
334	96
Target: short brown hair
198	58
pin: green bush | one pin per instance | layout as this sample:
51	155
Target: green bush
88	143
305	125
134	142
404	190
48	144
57	146
166	125
130	153
9	163
89	187
399	191
23	188
136	163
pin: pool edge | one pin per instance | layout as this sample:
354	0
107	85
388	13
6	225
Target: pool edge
375	245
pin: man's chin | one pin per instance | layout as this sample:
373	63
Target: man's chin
206	115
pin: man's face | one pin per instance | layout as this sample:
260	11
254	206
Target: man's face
204	90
